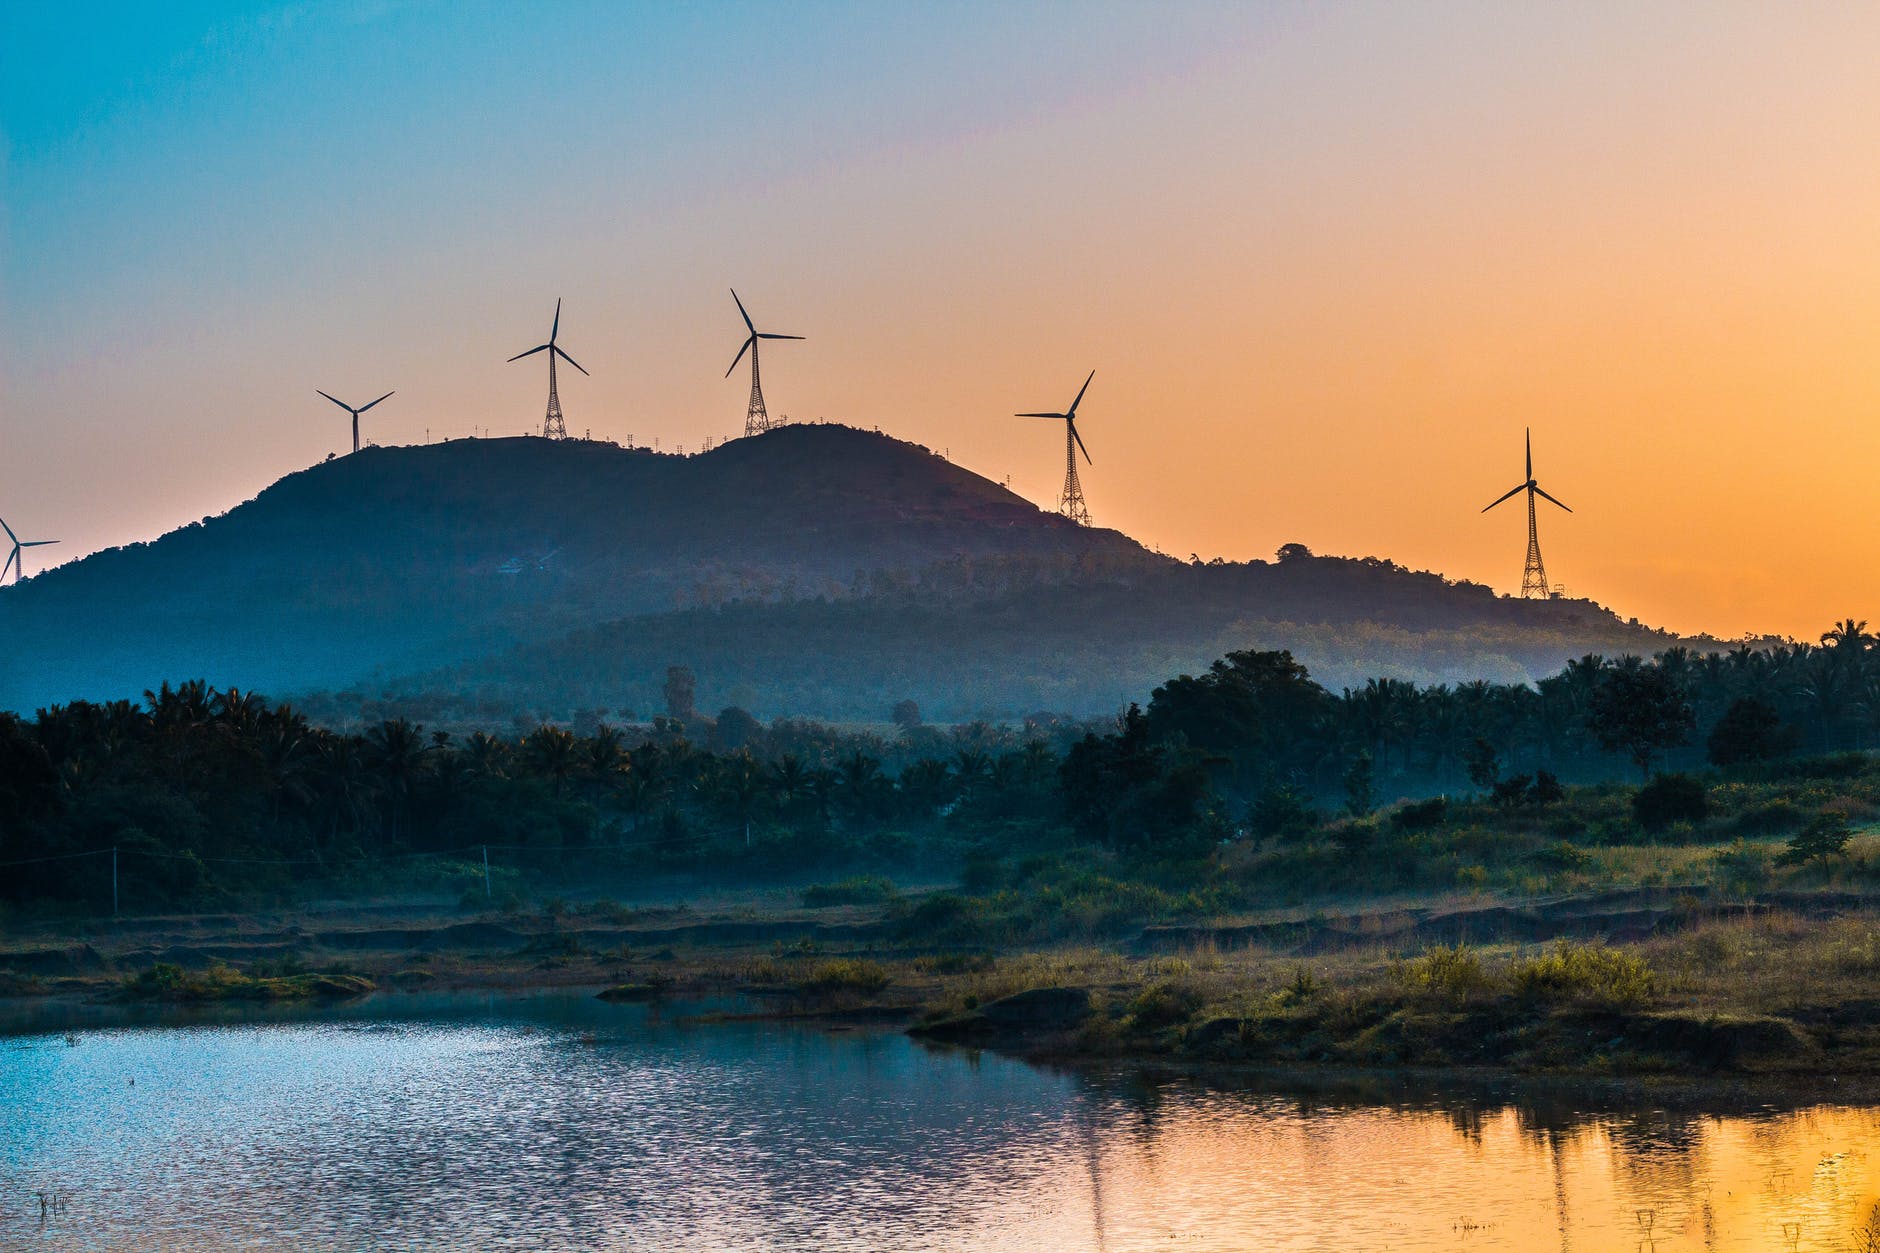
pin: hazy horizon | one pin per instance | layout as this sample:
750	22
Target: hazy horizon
1326	262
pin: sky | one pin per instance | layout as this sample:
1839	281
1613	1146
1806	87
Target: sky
1327	260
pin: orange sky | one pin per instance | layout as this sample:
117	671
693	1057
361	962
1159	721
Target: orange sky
1327	262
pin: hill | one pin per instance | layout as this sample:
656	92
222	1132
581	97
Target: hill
398	559
816	570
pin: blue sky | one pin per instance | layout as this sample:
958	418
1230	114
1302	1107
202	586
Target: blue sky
1326	259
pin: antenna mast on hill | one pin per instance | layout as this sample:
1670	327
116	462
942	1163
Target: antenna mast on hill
1533	574
553	427
361	409
1071	501
756	417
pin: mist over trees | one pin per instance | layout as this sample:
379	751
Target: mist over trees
219	793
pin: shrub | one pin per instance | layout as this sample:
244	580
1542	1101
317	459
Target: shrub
1354	837
859	890
1771	819
1421	815
1591	974
1512	792
1164	1004
1670	798
1825	836
1744	867
1547	789
847	974
1562	855
1281	811
1449	974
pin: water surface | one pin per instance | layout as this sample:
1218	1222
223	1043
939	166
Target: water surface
554	1121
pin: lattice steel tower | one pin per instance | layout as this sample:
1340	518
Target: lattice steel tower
1071	502
1533	574
553	426
756	417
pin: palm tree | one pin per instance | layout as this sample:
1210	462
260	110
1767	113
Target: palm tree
553	754
394	751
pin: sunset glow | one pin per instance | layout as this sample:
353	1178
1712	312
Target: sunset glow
1326	263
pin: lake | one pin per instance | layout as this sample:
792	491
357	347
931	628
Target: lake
555	1121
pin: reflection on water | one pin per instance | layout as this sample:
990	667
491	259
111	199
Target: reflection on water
559	1122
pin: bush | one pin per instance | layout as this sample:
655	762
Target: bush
859	890
1670	798
1562	855
1354	837
1825	836
1421	815
1744	867
1590	974
1164	1004
847	974
1448	974
1281	811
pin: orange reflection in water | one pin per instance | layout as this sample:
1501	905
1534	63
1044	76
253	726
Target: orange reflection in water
1221	1172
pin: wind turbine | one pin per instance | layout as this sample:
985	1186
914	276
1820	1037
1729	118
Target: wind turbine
1534	575
16	560
756	418
1071	503
355	412
552	426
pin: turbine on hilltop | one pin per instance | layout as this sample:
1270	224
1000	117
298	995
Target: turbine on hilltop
1071	503
756	417
355	412
16	560
1533	575
552	426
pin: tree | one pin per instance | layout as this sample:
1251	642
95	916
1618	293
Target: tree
1750	731
736	730
1826	835
1259	712
1639	711
1358	786
906	715
1482	762
681	691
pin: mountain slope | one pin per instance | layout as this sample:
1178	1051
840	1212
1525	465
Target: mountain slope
1083	645
409	558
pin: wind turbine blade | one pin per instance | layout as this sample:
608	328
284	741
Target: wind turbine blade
1530	452
740	356
1539	492
1081	391
1080	440
768	335
747	317
336	400
1060	416
37	543
571	361
555	329
12	558
519	356
384	397
1511	491
9	531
